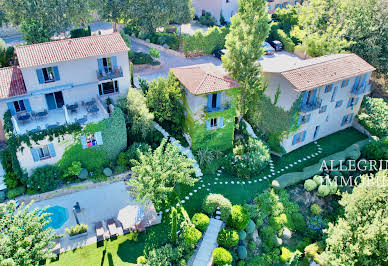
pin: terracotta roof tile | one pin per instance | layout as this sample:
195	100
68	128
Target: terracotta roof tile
312	73
11	82
69	49
204	78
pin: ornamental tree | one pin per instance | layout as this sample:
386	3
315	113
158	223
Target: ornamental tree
249	28
157	173
361	235
23	237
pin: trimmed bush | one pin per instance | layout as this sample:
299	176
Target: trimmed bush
310	185
222	257
191	235
335	173
250	228
242	252
323	190
252	245
318	180
298	222
83	174
217	200
238	218
15	192
315	209
201	221
267	234
44	178
242	235
332	186
278	222
227	238
107	172
141	260
286	255
77	229
2	196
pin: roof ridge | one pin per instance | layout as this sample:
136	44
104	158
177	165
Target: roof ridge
203	80
318	62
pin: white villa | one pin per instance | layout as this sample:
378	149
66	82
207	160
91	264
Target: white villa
331	89
62	82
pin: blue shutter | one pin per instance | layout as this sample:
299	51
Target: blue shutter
344	120
358	98
56	73
308	118
363	81
52	150
303	136
99	138
356	82
11	107
83	142
350	119
208	125
100	64
305	97
218	101
39	73
295	138
27	105
334	93
35	154
114	62
349	102
314	95
317	131
209	101
221	121
299	120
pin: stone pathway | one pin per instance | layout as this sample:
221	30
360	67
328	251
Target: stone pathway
209	243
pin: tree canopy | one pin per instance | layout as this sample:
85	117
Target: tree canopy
23	237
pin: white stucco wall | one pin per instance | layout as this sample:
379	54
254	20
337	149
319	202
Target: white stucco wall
229	9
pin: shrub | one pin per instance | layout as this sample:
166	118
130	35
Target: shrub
43	178
108	172
241	263
227	238
311	251
242	235
267	234
73	170
134	151
373	116
318	180
323	190
207	19
298	222
278	222
238	218
80	32
11	180
288	44
335	173
252	245
332	186
242	252
191	235
2	196
377	149
83	174
201	221
205	43
286	255
164	255
141	260
250	228
217	200
154	52
222	257
310	185
315	209
141	58
77	229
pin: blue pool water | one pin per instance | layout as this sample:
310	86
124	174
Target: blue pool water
58	216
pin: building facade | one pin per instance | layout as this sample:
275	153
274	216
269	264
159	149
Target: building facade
273	5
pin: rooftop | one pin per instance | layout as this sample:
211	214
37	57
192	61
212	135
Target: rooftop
11	82
69	49
204	78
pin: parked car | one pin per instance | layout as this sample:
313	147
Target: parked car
277	45
219	53
268	49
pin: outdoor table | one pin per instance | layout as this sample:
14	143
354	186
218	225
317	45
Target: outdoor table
72	108
81	120
41	114
91	103
93	109
24	117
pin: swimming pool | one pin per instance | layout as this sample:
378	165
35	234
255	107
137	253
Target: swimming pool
58	215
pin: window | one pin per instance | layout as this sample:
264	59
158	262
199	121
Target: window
347	119
323	109
213	122
338	104
214	100
108	88
328	88
43	152
352	102
345	83
48	74
299	137
19	106
91	140
304	119
107	64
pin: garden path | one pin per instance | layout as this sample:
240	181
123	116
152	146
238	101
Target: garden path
209	243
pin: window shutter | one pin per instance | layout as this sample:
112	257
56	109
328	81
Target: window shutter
349	102
218	102
334	93
100	65
114	62
52	150
35	154
295	138
356	82
363	81
299	120
209	101
83	142
221	122
306	93
11	107
314	95
350	119
56	73
303	136
308	118
344	120
208	125
39	73
358	98
27	105
99	138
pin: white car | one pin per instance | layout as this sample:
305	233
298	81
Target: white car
268	49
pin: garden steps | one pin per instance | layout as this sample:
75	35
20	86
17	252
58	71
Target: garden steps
209	243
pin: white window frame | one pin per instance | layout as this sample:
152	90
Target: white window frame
116	88
43	152
49	73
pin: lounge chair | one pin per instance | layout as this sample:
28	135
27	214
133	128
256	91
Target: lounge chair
57	246
100	231
112	227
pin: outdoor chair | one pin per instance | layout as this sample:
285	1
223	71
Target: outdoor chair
100	231
57	246
112	227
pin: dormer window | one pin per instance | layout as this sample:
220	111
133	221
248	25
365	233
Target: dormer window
48	74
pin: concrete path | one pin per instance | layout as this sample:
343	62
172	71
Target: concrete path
209	243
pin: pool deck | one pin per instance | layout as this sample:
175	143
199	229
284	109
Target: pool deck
97	204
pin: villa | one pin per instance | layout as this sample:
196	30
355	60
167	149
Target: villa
59	83
329	89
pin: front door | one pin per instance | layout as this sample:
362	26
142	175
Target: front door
54	100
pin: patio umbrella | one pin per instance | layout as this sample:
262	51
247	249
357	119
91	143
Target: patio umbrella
127	215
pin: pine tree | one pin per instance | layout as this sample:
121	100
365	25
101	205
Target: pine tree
174	225
132	80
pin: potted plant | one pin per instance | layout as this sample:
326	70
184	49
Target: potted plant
77	231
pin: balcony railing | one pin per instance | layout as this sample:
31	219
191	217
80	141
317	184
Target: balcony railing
217	109
308	107
361	90
117	72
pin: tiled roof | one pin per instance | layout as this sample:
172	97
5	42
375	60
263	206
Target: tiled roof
312	73
204	78
69	49
11	82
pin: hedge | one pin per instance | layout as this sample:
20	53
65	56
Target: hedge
290	179
201	221
15	192
80	32
288	44
206	43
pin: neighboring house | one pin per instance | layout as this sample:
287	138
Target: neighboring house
216	7
276	4
210	105
330	90
59	83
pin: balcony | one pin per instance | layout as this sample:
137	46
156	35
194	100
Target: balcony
308	107
217	109
361	90
117	72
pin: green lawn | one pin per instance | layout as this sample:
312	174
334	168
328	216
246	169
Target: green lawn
124	252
